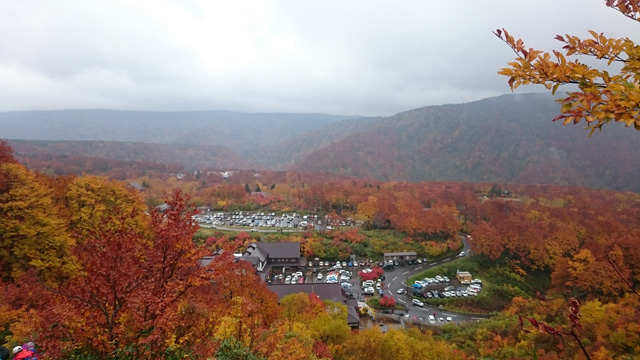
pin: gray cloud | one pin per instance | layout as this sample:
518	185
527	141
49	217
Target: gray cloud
346	57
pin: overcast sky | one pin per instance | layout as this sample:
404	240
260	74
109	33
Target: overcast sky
339	57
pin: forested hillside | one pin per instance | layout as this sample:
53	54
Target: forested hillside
510	138
506	139
64	156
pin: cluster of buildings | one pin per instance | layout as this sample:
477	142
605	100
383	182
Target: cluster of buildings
267	257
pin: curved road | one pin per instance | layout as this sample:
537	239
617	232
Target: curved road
396	279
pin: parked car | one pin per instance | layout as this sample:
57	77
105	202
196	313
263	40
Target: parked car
417	302
449	318
401	291
368	291
432	318
319	276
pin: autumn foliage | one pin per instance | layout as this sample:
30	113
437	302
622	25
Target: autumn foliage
374	274
100	275
388	301
603	95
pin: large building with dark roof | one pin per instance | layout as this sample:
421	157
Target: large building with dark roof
261	254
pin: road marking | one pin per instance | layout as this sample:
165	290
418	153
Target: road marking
405	273
394	279
433	263
476	318
402	301
447	259
419	267
445	314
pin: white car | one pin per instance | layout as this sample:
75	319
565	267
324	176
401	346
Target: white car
319	276
432	318
419	303
449	319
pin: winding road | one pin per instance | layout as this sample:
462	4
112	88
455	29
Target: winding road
396	279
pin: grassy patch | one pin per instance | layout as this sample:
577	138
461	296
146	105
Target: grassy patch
499	279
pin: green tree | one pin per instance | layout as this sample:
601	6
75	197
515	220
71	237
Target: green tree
603	95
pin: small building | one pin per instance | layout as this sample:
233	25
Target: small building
406	255
463	276
325	291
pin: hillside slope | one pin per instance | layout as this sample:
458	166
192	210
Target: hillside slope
510	138
288	153
190	157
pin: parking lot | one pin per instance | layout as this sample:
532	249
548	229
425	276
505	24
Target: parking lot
443	287
288	275
257	221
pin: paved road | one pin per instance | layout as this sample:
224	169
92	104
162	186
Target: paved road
396	279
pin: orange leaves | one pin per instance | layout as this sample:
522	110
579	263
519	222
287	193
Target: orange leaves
137	289
629	8
602	97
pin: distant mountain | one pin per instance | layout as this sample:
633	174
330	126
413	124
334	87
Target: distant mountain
510	138
238	131
288	153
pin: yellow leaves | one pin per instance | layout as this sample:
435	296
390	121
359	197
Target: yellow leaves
30	227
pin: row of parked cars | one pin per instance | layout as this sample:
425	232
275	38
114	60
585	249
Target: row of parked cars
335	275
419	284
295	278
450	291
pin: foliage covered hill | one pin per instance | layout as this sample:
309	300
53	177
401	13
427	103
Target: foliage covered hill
41	155
510	138
239	131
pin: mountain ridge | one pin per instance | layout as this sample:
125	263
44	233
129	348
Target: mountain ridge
509	138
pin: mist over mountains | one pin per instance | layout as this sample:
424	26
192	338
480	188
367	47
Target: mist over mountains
510	138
